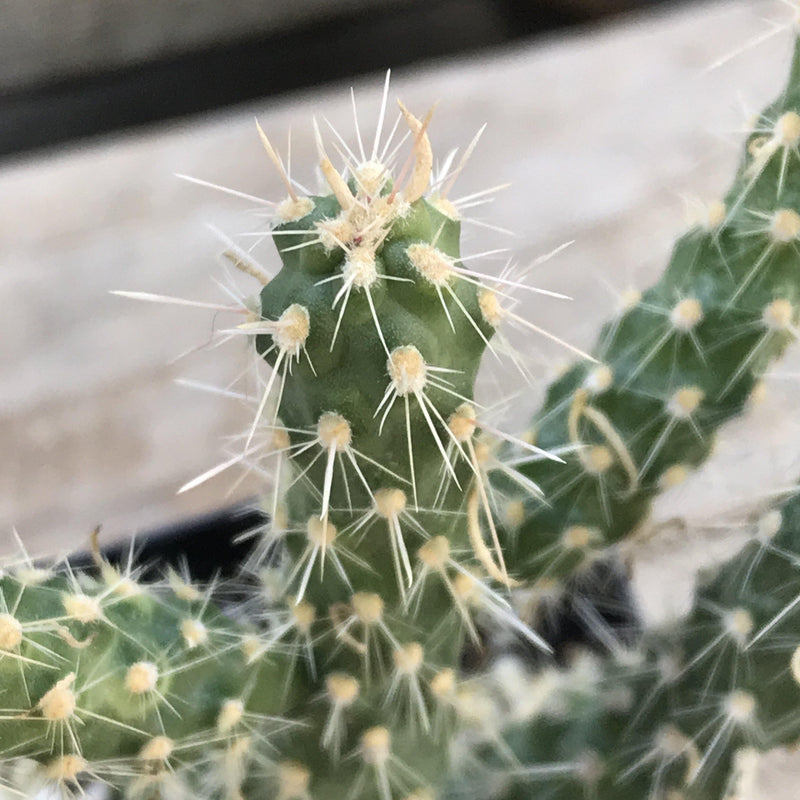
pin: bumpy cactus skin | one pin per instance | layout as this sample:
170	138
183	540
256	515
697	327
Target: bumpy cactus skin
374	331
108	677
676	719
679	360
679	718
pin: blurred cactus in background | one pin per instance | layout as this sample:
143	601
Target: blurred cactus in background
404	526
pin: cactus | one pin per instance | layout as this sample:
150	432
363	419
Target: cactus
372	560
384	555
681	715
680	360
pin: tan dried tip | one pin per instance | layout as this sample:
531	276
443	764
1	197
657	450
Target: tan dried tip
423	158
795	664
673	476
82	608
10	632
304	615
739	624
341	191
462	422
685	401
291	330
758	394
407	369
686	314
194	633
491	309
359	268
408	658
785	226
443	683
368	607
159	748
756	148
230	715
390	503
59	703
141	677
293	780
483	452
778	315
319	532
434	265
578	537
599	379
280	518
342	689
65	769
740	706
435	553
376	745
670	741
279	440
333	430
598	459
787	129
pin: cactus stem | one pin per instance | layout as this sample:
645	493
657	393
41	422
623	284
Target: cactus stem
405	688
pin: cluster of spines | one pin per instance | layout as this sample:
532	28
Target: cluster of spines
144	686
382	552
374	330
678	717
677	362
386	532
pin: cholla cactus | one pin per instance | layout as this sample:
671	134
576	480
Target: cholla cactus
684	716
680	716
385	554
381	551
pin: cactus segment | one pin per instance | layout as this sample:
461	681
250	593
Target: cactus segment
681	716
680	360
